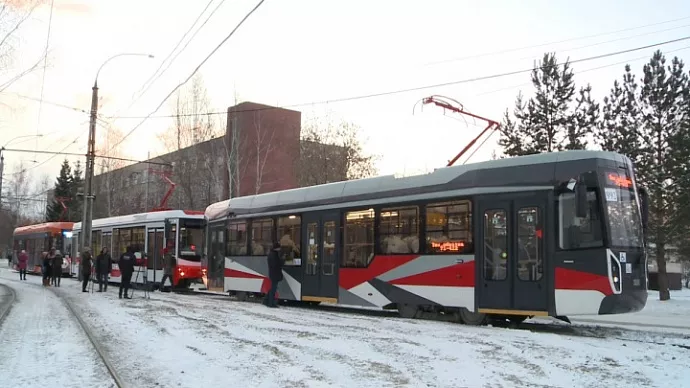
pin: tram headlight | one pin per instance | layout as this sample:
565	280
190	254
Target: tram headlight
615	279
181	273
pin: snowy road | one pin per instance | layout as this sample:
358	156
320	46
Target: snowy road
42	346
186	341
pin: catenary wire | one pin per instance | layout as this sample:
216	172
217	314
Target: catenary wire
43	77
406	90
193	72
555	42
155	76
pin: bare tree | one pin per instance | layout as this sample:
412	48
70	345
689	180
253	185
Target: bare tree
332	152
263	146
193	168
109	196
13	14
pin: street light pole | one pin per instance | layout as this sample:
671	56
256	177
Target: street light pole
87	213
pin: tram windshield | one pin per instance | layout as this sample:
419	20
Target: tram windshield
625	222
191	239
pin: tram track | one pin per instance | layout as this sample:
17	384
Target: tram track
624	334
10	296
93	339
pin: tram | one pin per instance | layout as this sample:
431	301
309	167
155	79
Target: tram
39	238
556	234
180	232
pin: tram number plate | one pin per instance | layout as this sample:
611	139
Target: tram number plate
628	268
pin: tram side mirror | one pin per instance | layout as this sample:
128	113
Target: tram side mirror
581	207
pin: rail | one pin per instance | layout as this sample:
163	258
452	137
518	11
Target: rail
7	305
92	338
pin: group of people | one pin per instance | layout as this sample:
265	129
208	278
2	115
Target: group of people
103	268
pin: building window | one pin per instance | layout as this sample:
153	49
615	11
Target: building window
359	239
399	230
449	228
289	233
262	236
237	238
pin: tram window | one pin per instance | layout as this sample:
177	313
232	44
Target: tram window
495	245
289	232
575	232
96	242
237	238
529	246
108	242
399	230
262	236
359	239
449	228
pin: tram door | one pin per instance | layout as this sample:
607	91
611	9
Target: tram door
155	253
511	261
321	242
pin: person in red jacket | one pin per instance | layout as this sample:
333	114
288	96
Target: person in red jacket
22	262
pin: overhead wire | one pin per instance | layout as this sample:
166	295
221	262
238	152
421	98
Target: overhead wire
155	76
193	72
405	90
43	77
556	42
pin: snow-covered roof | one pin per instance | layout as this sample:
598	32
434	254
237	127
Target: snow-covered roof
541	170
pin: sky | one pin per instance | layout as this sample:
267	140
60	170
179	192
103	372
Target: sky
305	52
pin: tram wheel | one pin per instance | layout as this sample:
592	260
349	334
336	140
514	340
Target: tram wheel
517	319
408	311
472	319
242	296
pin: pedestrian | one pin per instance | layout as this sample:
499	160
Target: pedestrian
23	260
85	268
56	264
104	265
126	263
168	267
275	274
46	269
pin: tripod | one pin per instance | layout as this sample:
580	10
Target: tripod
147	294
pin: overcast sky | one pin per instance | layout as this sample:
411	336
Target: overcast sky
302	51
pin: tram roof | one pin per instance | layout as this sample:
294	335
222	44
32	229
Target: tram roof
522	171
141	218
44	227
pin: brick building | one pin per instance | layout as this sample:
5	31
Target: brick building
260	152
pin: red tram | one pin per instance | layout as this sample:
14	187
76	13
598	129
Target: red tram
556	234
39	238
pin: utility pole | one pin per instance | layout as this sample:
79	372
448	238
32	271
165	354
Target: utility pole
2	169
87	216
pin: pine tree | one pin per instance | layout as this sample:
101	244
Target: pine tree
650	125
63	189
548	121
76	187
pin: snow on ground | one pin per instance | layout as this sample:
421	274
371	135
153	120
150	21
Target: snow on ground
177	340
41	345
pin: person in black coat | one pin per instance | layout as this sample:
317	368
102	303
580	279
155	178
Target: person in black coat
126	263
275	274
104	265
85	268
